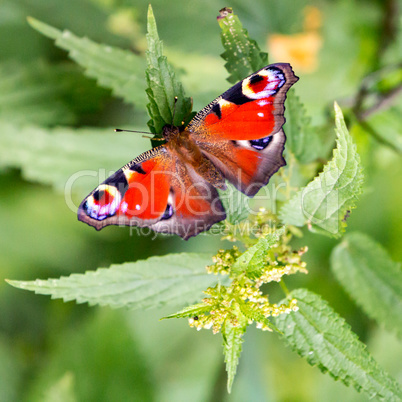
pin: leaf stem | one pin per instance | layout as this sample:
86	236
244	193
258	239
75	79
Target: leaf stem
284	288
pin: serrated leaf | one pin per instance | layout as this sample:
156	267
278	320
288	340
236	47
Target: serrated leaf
371	278
317	333
254	315
163	86
253	259
65	157
191	311
232	344
236	204
325	203
303	140
174	279
120	70
242	54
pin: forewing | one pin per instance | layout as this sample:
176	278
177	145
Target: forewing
136	194
250	110
241	130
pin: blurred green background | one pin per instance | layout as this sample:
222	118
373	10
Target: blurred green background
52	351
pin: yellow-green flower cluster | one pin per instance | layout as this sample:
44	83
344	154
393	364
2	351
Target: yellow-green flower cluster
237	304
223	260
248	231
243	303
286	262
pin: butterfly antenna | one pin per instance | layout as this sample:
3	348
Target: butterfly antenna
174	109
119	130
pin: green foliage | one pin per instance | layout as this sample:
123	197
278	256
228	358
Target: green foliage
174	279
317	333
66	157
236	204
120	70
104	336
124	356
242	54
32	94
303	140
44	94
162	85
232	308
325	203
371	278
252	261
232	343
387	127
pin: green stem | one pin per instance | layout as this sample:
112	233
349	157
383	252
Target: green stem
284	288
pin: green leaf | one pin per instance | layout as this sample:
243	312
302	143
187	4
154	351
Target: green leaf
174	279
43	94
32	94
232	343
317	333
325	203
163	86
371	278
64	158
191	311
242	54
252	261
256	316
120	70
236	204
304	141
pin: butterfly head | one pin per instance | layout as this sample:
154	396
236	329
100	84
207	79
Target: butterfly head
169	132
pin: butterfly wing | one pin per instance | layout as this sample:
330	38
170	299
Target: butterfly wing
156	190
241	130
193	205
136	194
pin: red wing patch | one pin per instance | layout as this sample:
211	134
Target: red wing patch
249	121
147	193
193	205
250	110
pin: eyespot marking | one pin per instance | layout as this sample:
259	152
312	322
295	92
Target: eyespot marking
264	84
168	212
261	144
103	203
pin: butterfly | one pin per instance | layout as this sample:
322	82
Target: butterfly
172	188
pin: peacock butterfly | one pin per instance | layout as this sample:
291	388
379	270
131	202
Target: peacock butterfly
172	188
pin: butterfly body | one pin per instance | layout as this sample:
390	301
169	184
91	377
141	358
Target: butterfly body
173	188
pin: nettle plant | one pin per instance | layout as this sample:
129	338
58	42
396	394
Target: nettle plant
232	279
